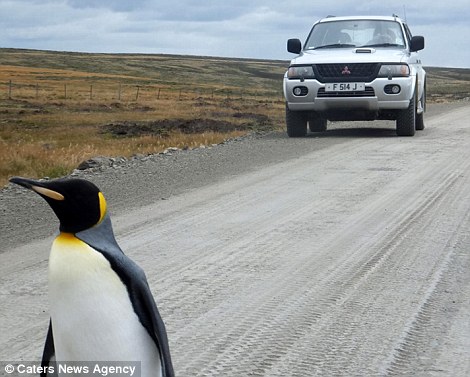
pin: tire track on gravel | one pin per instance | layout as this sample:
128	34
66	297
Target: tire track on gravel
413	338
307	306
251	324
336	290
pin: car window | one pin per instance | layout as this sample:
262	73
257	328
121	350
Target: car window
356	33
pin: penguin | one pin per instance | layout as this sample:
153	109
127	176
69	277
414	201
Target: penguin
101	306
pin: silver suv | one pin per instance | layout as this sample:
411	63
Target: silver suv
356	68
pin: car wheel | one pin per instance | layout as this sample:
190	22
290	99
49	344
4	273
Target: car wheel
296	122
420	122
420	117
316	123
406	119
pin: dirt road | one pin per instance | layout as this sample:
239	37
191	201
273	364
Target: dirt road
348	258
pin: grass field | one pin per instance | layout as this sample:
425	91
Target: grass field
58	109
448	84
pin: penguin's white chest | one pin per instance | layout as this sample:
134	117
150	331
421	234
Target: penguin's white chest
92	315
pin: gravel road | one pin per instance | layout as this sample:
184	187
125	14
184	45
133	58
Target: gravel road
344	253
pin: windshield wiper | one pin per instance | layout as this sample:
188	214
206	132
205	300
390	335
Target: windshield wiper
335	45
382	45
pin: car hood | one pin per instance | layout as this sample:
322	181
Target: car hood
350	55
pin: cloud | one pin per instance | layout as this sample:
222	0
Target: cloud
114	5
245	28
438	39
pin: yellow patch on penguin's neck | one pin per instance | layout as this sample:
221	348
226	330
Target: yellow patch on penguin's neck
103	207
73	261
67	238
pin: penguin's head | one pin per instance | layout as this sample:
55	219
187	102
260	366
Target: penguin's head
78	204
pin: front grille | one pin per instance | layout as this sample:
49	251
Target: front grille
369	92
346	72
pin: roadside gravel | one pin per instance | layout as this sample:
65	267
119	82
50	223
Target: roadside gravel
142	180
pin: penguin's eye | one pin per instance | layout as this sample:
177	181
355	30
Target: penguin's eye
49	193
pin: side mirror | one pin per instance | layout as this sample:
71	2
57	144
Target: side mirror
417	43
294	46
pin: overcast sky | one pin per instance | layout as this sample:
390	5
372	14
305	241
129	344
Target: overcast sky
235	28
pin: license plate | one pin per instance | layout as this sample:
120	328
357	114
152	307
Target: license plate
345	87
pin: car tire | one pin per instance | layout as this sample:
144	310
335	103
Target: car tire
420	117
296	122
420	122
316	123
406	119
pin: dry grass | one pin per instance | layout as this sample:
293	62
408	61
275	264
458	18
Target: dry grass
52	114
38	158
37	140
448	84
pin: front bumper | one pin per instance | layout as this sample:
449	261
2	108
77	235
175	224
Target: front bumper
374	99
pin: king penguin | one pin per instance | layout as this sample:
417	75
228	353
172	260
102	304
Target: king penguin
100	302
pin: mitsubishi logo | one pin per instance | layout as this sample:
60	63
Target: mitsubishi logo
346	71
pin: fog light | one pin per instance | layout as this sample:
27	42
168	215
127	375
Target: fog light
392	89
300	91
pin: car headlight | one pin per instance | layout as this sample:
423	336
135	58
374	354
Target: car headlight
394	70
300	72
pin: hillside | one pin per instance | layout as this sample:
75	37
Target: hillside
140	69
448	84
179	72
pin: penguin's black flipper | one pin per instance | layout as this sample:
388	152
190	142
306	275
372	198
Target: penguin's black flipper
144	306
146	309
48	353
101	238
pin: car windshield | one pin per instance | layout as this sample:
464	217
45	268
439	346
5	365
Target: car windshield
355	33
